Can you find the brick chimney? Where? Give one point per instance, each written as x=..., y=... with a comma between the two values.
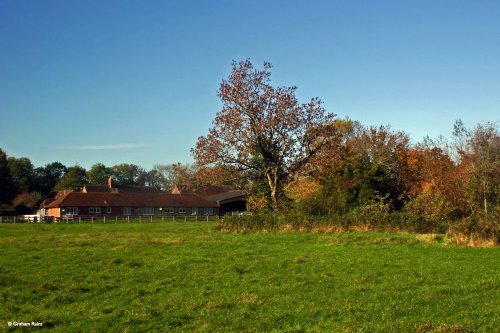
x=110, y=182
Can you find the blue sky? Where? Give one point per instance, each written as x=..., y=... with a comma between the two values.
x=135, y=81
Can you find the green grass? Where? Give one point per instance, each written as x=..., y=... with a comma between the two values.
x=186, y=277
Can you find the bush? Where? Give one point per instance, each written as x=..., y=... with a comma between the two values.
x=432, y=205
x=358, y=220
x=476, y=230
x=373, y=216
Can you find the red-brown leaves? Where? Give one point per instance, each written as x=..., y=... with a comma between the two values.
x=262, y=128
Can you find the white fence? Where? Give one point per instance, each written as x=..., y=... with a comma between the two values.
x=107, y=219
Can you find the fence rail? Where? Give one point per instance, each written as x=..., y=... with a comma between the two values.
x=108, y=219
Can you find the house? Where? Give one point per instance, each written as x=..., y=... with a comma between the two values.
x=112, y=200
x=129, y=204
x=43, y=211
x=229, y=198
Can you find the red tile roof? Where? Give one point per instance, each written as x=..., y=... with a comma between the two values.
x=46, y=202
x=99, y=199
x=95, y=188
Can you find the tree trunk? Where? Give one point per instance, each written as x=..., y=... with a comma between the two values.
x=485, y=201
x=272, y=182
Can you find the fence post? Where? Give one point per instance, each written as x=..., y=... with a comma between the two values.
x=162, y=218
x=14, y=219
x=79, y=219
x=116, y=219
x=140, y=219
x=185, y=218
x=128, y=219
x=173, y=218
x=104, y=218
x=92, y=219
x=151, y=218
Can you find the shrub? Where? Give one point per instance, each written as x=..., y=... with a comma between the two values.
x=476, y=230
x=358, y=220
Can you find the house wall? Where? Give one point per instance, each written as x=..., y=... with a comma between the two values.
x=54, y=212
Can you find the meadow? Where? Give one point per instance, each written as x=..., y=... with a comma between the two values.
x=188, y=277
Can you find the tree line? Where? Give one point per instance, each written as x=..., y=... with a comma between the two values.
x=23, y=186
x=297, y=157
x=293, y=156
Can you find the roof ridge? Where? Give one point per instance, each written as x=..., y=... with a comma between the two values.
x=61, y=199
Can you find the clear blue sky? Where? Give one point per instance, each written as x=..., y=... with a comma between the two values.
x=87, y=81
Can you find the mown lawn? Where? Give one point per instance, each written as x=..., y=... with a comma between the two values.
x=185, y=277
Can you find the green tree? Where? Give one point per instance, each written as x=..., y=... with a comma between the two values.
x=22, y=173
x=74, y=179
x=360, y=166
x=46, y=177
x=7, y=188
x=99, y=174
x=128, y=174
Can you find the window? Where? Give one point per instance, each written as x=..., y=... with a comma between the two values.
x=95, y=210
x=209, y=211
x=127, y=211
x=194, y=211
x=182, y=210
x=109, y=210
x=169, y=210
x=148, y=211
x=71, y=211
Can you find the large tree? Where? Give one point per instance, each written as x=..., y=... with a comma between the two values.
x=99, y=174
x=128, y=174
x=7, y=187
x=166, y=176
x=479, y=154
x=262, y=129
x=22, y=173
x=48, y=176
x=74, y=179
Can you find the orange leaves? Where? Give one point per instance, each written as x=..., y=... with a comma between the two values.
x=302, y=188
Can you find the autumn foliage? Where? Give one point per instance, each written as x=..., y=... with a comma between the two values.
x=263, y=131
x=297, y=156
x=297, y=159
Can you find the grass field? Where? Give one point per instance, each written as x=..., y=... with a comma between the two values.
x=186, y=277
